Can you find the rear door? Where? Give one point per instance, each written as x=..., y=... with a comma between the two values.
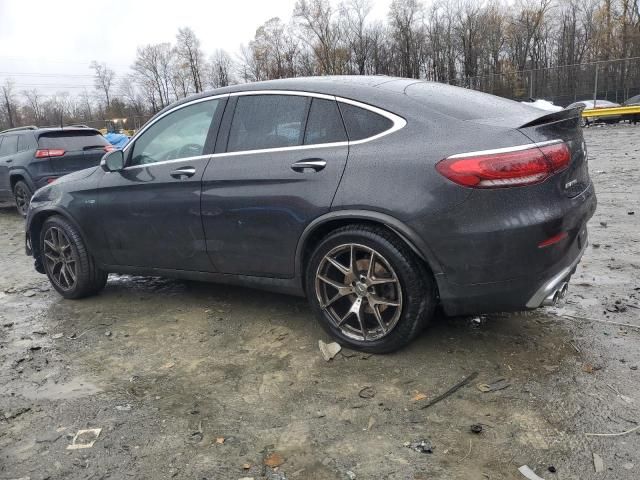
x=150, y=210
x=8, y=150
x=71, y=150
x=273, y=173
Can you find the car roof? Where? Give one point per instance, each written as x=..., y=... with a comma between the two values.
x=39, y=131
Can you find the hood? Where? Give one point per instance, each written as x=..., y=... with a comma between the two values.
x=75, y=176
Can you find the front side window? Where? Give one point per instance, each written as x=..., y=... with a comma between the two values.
x=362, y=123
x=267, y=121
x=180, y=134
x=324, y=124
x=9, y=145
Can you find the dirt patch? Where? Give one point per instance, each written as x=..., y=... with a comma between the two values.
x=194, y=380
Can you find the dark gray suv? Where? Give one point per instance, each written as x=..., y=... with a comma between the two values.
x=378, y=198
x=31, y=157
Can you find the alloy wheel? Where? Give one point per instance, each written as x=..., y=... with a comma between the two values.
x=22, y=199
x=359, y=290
x=59, y=258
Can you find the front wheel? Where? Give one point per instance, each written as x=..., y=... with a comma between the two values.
x=71, y=269
x=368, y=289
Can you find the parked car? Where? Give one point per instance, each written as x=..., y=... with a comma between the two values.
x=589, y=105
x=392, y=197
x=543, y=105
x=31, y=157
x=632, y=102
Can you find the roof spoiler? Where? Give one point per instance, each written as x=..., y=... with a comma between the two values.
x=553, y=117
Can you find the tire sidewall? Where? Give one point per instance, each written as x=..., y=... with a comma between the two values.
x=418, y=299
x=82, y=274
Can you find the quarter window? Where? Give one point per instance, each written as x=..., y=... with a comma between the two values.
x=24, y=143
x=362, y=123
x=267, y=121
x=180, y=134
x=324, y=124
x=9, y=145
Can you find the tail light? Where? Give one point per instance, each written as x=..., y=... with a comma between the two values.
x=109, y=148
x=49, y=152
x=506, y=167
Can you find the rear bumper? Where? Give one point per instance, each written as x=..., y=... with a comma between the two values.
x=507, y=271
x=513, y=295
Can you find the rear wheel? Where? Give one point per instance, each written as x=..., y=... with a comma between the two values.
x=71, y=269
x=22, y=194
x=368, y=289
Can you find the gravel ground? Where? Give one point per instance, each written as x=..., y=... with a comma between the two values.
x=194, y=380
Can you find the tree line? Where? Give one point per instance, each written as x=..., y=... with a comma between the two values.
x=511, y=48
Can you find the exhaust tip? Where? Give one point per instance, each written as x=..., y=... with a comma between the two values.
x=564, y=289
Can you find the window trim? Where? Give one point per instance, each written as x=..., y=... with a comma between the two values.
x=397, y=121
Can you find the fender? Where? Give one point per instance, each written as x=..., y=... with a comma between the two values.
x=403, y=231
x=21, y=172
x=47, y=211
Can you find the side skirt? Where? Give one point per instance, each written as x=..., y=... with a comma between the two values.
x=288, y=286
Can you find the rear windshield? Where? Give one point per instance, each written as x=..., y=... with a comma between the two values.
x=465, y=104
x=75, y=140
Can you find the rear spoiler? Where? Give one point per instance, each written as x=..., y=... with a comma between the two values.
x=553, y=117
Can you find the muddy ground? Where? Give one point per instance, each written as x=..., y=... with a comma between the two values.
x=193, y=380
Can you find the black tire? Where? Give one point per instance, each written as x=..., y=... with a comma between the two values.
x=417, y=297
x=22, y=196
x=89, y=279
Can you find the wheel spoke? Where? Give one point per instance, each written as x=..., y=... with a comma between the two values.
x=372, y=262
x=71, y=273
x=381, y=281
x=333, y=299
x=49, y=244
x=379, y=318
x=344, y=270
x=352, y=261
x=51, y=257
x=337, y=285
x=377, y=300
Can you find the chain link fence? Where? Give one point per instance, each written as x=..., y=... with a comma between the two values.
x=613, y=80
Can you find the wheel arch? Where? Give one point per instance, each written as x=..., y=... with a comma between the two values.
x=325, y=224
x=37, y=221
x=20, y=175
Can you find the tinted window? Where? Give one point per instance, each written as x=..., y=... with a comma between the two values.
x=180, y=134
x=71, y=140
x=363, y=123
x=324, y=124
x=9, y=145
x=267, y=121
x=24, y=142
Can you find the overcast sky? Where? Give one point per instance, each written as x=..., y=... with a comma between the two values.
x=48, y=42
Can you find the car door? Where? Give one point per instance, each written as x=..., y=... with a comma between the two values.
x=278, y=164
x=8, y=149
x=150, y=210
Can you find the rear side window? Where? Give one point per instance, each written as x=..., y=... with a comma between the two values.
x=9, y=145
x=267, y=121
x=24, y=143
x=363, y=123
x=324, y=124
x=72, y=140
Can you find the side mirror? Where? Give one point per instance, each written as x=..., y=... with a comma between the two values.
x=112, y=161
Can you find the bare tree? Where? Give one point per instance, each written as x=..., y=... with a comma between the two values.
x=103, y=79
x=35, y=103
x=354, y=14
x=190, y=56
x=220, y=69
x=9, y=104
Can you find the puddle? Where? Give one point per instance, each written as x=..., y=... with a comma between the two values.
x=75, y=388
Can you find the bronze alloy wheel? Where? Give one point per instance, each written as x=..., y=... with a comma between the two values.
x=59, y=258
x=359, y=290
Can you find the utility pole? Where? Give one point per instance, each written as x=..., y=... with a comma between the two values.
x=595, y=87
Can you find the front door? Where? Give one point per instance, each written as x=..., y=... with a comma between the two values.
x=279, y=169
x=150, y=210
x=8, y=149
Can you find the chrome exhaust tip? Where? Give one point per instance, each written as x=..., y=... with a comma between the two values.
x=564, y=289
x=552, y=299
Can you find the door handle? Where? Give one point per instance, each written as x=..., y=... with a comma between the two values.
x=184, y=172
x=315, y=164
x=10, y=160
